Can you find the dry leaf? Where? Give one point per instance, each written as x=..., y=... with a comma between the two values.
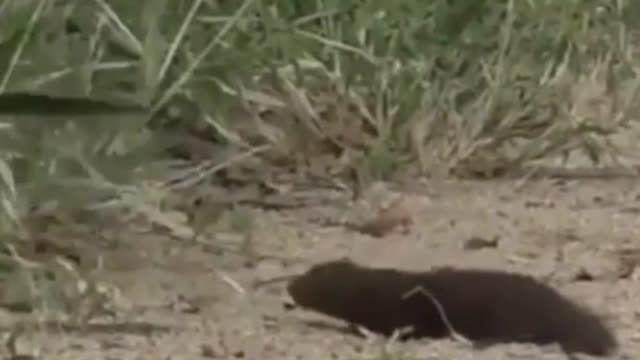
x=396, y=214
x=478, y=243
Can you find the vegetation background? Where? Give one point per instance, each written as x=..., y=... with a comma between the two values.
x=256, y=96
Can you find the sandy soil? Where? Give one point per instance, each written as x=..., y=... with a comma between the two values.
x=187, y=302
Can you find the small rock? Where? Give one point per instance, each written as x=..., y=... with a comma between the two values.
x=208, y=351
x=583, y=275
x=478, y=243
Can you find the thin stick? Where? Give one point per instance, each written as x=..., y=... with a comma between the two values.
x=454, y=334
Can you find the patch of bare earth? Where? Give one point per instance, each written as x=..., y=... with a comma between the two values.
x=189, y=302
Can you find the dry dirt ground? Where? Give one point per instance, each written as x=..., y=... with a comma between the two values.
x=189, y=302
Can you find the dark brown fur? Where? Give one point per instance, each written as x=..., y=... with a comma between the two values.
x=485, y=306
